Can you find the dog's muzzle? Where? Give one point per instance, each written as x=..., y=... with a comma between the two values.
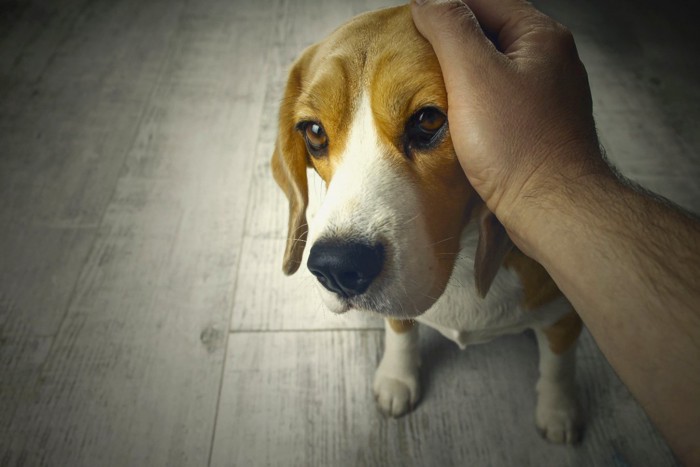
x=346, y=268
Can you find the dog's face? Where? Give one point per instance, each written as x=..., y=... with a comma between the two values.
x=367, y=109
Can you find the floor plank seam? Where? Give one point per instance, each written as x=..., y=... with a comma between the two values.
x=235, y=279
x=71, y=297
x=301, y=330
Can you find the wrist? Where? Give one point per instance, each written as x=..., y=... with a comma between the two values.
x=561, y=207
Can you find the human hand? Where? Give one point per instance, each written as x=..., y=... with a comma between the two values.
x=521, y=124
x=520, y=112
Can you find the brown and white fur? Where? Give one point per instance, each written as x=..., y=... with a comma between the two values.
x=445, y=260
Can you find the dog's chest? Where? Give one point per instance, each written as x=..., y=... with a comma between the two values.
x=462, y=316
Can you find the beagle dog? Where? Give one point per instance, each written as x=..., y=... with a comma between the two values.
x=400, y=231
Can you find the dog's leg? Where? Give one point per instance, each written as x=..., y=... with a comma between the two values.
x=396, y=379
x=558, y=414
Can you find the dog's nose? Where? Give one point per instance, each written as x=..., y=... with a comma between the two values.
x=345, y=268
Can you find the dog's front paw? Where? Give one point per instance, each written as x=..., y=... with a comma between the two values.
x=396, y=392
x=558, y=416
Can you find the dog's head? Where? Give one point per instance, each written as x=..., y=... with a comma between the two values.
x=366, y=108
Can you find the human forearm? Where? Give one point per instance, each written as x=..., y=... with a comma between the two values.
x=623, y=258
x=520, y=116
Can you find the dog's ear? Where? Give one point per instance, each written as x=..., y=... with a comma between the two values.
x=494, y=244
x=289, y=162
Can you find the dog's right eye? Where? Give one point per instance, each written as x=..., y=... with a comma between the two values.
x=315, y=137
x=424, y=129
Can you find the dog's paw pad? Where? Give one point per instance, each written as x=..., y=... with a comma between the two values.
x=395, y=397
x=559, y=422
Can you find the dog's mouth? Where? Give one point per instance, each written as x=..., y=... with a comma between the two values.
x=387, y=294
x=375, y=303
x=374, y=275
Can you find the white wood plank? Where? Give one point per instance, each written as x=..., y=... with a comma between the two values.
x=68, y=110
x=64, y=134
x=304, y=398
x=296, y=399
x=133, y=375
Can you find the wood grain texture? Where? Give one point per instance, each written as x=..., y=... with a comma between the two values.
x=645, y=105
x=132, y=374
x=144, y=318
x=304, y=398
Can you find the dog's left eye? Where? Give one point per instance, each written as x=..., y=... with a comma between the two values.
x=424, y=129
x=315, y=137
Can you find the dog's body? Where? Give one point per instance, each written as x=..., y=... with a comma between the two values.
x=400, y=231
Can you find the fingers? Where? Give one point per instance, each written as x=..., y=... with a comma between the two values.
x=449, y=25
x=464, y=52
x=444, y=22
x=507, y=20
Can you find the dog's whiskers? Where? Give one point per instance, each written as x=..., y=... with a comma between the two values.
x=441, y=241
x=412, y=218
x=300, y=227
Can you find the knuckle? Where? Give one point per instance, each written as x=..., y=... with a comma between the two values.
x=455, y=13
x=564, y=39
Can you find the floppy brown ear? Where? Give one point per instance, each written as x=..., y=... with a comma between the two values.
x=289, y=162
x=494, y=244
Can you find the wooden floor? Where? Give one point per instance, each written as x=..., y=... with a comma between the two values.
x=144, y=318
